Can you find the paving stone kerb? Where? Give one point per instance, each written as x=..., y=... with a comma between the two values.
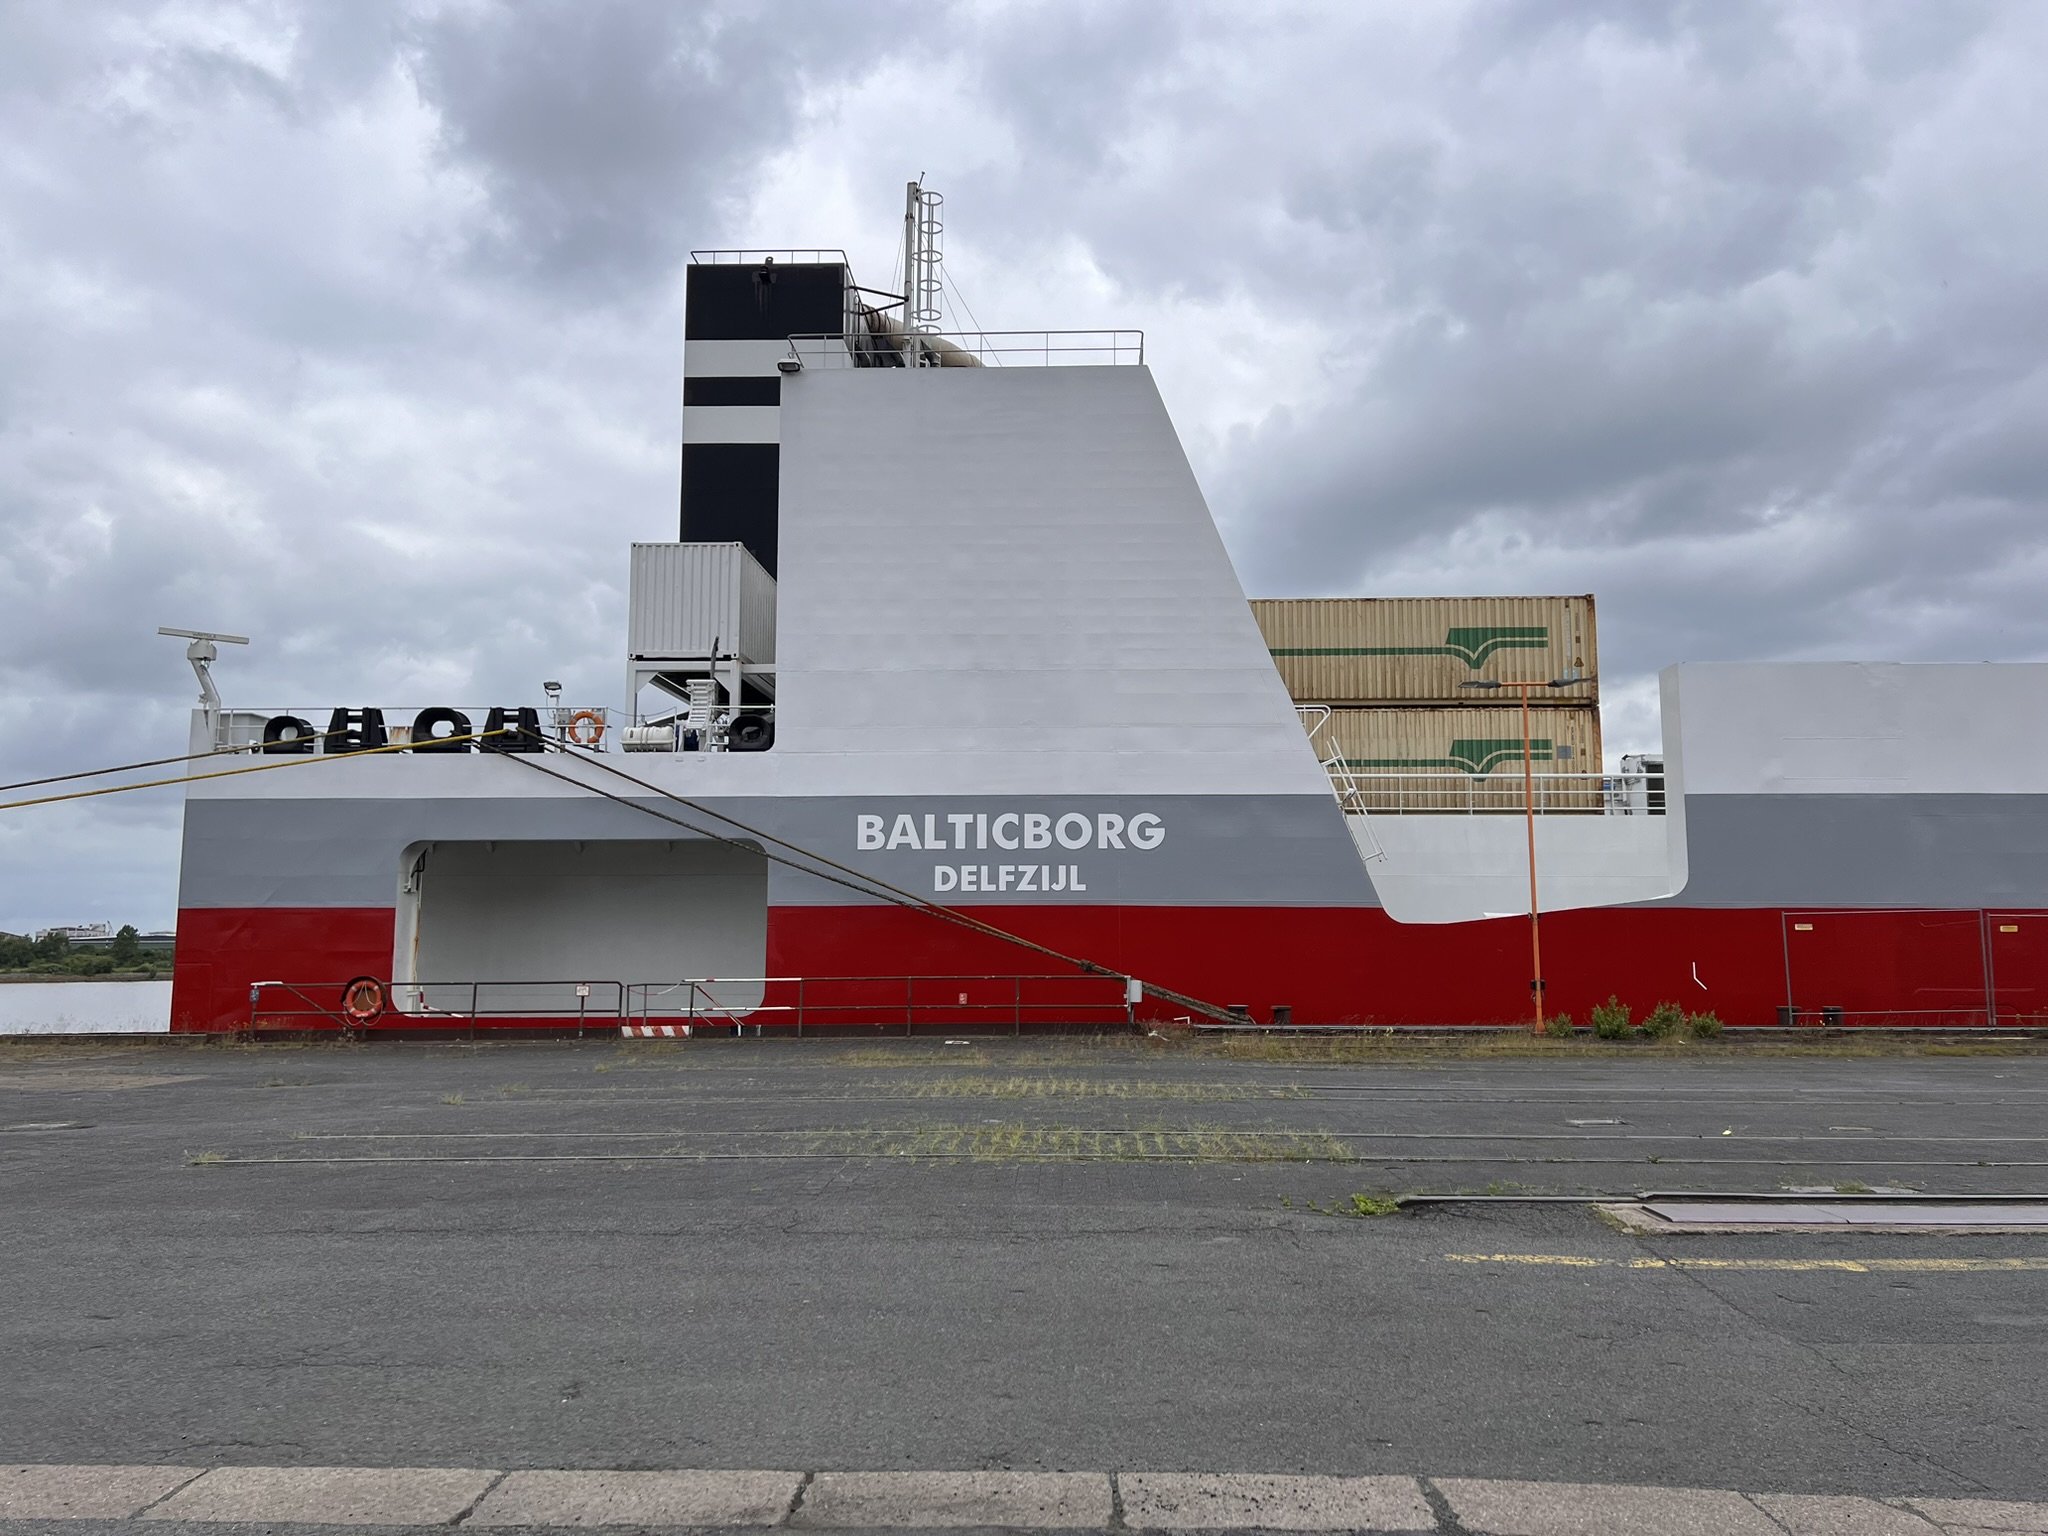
x=1973, y=1515
x=1045, y=1500
x=1201, y=1501
x=327, y=1495
x=84, y=1493
x=1808, y=1514
x=1049, y=1501
x=638, y=1498
x=1502, y=1508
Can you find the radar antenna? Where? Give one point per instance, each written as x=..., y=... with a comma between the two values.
x=203, y=652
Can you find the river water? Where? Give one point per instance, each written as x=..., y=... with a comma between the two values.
x=84, y=1007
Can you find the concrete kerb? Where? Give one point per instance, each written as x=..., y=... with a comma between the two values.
x=29, y=1492
x=638, y=1499
x=1504, y=1508
x=1035, y=1500
x=1969, y=1516
x=1806, y=1514
x=327, y=1495
x=1204, y=1501
x=90, y=1498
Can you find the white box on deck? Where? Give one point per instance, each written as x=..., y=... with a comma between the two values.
x=685, y=598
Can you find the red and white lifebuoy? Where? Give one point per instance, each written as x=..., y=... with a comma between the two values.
x=364, y=1000
x=585, y=728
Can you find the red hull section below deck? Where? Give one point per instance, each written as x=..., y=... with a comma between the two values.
x=1329, y=965
x=223, y=951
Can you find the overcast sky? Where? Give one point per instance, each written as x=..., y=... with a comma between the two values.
x=356, y=327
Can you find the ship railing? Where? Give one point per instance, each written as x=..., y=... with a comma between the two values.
x=292, y=1005
x=991, y=349
x=1497, y=793
x=885, y=1005
x=424, y=1004
x=817, y=255
x=1827, y=1016
x=593, y=727
x=980, y=1004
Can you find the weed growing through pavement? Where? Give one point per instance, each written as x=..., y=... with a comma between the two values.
x=1357, y=1207
x=1558, y=1026
x=907, y=1055
x=1486, y=1042
x=1074, y=1143
x=1077, y=1088
x=451, y=1098
x=204, y=1159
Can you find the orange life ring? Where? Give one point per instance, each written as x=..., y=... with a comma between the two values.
x=581, y=718
x=363, y=1000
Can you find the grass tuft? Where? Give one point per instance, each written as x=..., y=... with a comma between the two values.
x=1611, y=1019
x=1664, y=1021
x=1361, y=1206
x=1022, y=1087
x=1017, y=1142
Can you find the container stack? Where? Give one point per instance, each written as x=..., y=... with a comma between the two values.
x=1379, y=682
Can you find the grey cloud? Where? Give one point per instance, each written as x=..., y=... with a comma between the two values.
x=609, y=134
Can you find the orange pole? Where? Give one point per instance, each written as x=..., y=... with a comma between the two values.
x=1529, y=815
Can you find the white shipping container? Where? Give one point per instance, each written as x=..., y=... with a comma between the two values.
x=682, y=599
x=1385, y=650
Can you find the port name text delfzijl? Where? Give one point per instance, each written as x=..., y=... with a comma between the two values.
x=1017, y=878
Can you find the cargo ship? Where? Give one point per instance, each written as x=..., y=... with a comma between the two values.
x=946, y=710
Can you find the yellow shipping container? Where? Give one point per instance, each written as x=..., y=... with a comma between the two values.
x=1459, y=759
x=1390, y=650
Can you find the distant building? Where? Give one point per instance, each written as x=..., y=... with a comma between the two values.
x=80, y=934
x=101, y=936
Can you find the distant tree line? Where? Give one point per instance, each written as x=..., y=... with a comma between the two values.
x=52, y=955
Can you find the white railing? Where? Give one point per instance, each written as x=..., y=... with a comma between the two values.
x=1453, y=793
x=595, y=726
x=992, y=349
x=816, y=255
x=1461, y=792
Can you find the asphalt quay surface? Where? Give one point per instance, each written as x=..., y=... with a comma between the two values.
x=1047, y=1257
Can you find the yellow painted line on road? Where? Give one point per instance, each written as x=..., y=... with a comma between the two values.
x=1791, y=1266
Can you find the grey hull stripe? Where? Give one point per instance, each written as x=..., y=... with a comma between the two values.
x=1209, y=850
x=1762, y=851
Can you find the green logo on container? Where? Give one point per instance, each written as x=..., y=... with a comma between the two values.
x=1470, y=645
x=1468, y=755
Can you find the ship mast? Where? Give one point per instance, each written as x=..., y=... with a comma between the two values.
x=923, y=295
